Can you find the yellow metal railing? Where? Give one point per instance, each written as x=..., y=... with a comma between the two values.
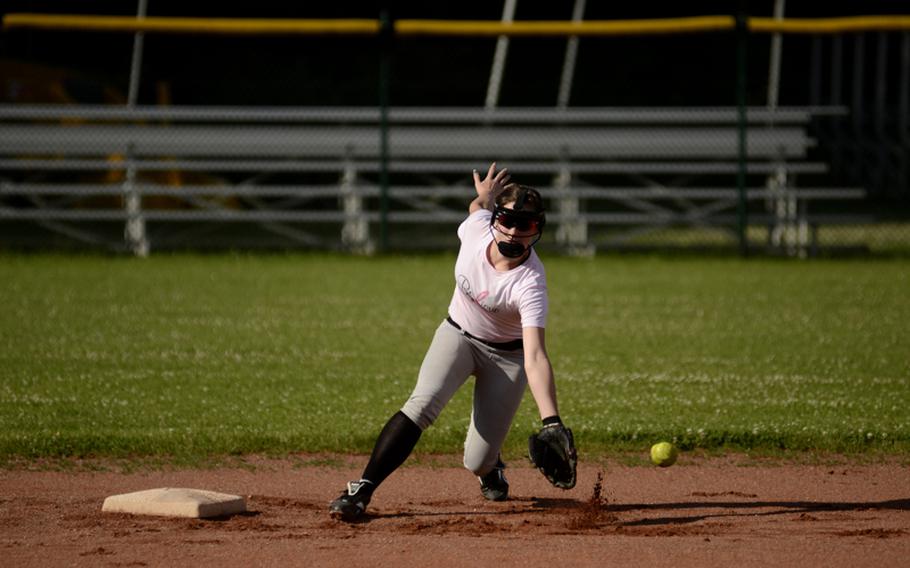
x=67, y=22
x=475, y=28
x=830, y=25
x=563, y=28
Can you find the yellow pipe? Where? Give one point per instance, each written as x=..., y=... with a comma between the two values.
x=830, y=25
x=563, y=28
x=190, y=25
x=448, y=27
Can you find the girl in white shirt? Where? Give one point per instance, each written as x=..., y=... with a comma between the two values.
x=494, y=331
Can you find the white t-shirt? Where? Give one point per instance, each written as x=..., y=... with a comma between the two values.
x=489, y=304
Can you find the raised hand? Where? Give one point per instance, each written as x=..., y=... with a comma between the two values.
x=490, y=186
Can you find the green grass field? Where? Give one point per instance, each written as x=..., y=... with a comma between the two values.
x=188, y=357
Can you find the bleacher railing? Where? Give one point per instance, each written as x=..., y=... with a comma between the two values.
x=614, y=174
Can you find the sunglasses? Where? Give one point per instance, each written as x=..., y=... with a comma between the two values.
x=524, y=224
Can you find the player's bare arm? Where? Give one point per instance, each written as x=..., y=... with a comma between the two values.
x=539, y=371
x=552, y=449
x=488, y=188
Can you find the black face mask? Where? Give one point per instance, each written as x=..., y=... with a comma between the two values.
x=511, y=249
x=521, y=220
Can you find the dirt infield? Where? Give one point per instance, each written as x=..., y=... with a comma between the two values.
x=716, y=512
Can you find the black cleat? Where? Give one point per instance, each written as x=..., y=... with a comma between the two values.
x=493, y=485
x=351, y=504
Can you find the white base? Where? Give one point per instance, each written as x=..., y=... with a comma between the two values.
x=176, y=502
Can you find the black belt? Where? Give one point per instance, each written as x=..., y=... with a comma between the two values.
x=513, y=345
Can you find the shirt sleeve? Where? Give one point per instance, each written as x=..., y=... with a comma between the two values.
x=534, y=306
x=474, y=224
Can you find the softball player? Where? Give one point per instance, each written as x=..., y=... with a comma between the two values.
x=494, y=331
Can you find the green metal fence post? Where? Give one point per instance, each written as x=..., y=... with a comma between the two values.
x=385, y=40
x=742, y=38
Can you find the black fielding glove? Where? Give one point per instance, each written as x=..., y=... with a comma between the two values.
x=552, y=450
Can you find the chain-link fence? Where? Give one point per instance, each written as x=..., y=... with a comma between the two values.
x=362, y=143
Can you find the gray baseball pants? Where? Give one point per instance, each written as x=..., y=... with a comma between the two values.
x=498, y=390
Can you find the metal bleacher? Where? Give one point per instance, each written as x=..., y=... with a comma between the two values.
x=314, y=176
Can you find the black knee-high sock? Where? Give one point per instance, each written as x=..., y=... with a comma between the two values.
x=394, y=445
